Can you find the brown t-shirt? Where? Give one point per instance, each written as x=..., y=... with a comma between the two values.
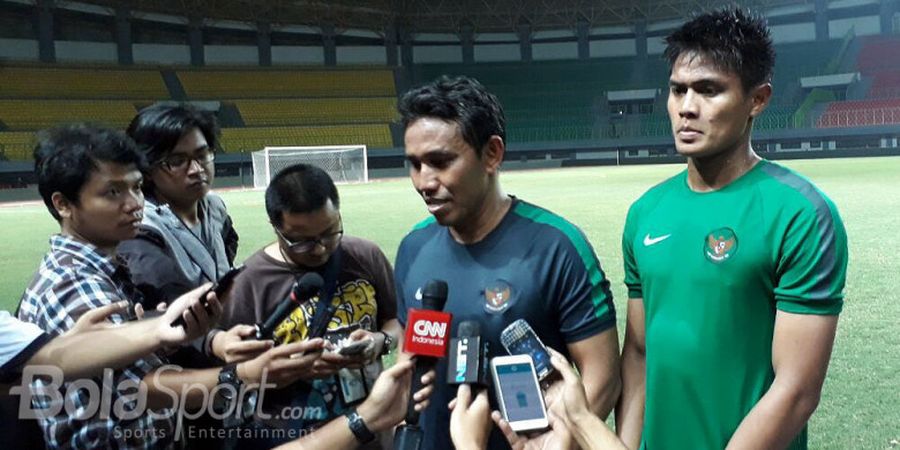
x=365, y=285
x=367, y=299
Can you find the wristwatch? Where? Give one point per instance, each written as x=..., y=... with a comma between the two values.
x=388, y=344
x=225, y=397
x=358, y=427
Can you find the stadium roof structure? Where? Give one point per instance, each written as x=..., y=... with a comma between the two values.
x=439, y=16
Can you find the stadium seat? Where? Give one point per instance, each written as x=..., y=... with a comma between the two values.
x=247, y=84
x=236, y=140
x=17, y=145
x=69, y=83
x=38, y=114
x=320, y=111
x=885, y=84
x=861, y=113
x=879, y=52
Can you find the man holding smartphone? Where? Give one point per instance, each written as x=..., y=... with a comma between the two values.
x=303, y=207
x=90, y=180
x=503, y=258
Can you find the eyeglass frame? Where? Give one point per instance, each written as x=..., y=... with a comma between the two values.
x=202, y=160
x=314, y=242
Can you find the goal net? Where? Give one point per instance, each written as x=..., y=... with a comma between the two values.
x=344, y=163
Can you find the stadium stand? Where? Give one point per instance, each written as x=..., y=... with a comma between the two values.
x=248, y=84
x=277, y=107
x=319, y=111
x=38, y=114
x=879, y=52
x=857, y=113
x=885, y=84
x=16, y=145
x=566, y=100
x=102, y=82
x=236, y=140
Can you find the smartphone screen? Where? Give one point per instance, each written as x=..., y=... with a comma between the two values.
x=520, y=339
x=520, y=392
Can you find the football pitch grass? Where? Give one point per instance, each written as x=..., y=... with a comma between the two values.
x=860, y=406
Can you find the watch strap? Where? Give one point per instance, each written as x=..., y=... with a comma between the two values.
x=358, y=427
x=387, y=344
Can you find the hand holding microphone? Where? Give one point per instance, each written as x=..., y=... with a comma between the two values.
x=382, y=409
x=426, y=338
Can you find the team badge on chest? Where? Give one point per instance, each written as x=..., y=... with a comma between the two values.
x=498, y=297
x=720, y=245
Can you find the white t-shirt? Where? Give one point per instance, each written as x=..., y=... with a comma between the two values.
x=18, y=342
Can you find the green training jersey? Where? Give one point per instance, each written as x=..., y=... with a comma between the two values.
x=712, y=269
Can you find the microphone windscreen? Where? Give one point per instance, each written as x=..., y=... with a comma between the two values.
x=308, y=286
x=468, y=328
x=434, y=295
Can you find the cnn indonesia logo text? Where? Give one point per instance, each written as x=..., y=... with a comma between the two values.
x=429, y=332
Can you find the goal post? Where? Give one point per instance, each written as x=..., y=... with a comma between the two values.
x=344, y=163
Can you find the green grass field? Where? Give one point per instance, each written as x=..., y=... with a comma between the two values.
x=860, y=406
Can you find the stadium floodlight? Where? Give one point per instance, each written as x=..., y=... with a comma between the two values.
x=344, y=163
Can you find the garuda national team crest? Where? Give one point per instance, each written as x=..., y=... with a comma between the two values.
x=720, y=245
x=498, y=297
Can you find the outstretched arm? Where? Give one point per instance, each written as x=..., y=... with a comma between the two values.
x=78, y=354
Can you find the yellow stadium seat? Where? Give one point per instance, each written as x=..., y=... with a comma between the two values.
x=317, y=111
x=38, y=114
x=59, y=82
x=236, y=140
x=17, y=145
x=215, y=84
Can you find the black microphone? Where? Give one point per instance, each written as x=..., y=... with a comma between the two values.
x=467, y=362
x=307, y=287
x=409, y=436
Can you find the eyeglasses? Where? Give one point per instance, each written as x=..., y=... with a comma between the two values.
x=180, y=163
x=328, y=241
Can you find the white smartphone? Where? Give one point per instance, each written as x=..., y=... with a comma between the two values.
x=518, y=392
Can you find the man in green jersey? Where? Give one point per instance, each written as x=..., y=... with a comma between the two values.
x=735, y=267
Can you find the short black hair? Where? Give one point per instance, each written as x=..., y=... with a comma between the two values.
x=462, y=100
x=734, y=40
x=300, y=188
x=157, y=129
x=64, y=158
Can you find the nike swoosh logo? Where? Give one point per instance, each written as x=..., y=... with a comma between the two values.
x=648, y=241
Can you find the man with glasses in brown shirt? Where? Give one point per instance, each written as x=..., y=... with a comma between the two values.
x=303, y=207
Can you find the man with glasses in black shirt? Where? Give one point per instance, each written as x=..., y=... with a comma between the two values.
x=304, y=209
x=187, y=237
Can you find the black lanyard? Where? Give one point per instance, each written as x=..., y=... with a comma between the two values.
x=326, y=306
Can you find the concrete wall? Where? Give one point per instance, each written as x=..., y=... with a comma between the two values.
x=161, y=54
x=19, y=49
x=292, y=54
x=231, y=54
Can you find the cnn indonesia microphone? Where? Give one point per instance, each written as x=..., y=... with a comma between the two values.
x=307, y=287
x=468, y=356
x=427, y=332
